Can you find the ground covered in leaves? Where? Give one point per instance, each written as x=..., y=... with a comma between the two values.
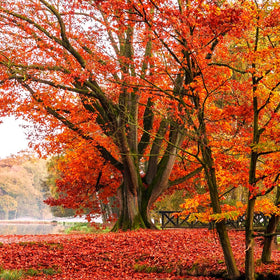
x=168, y=254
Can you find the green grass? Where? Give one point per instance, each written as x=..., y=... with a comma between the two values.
x=147, y=269
x=51, y=271
x=30, y=243
x=11, y=274
x=54, y=245
x=32, y=272
x=15, y=274
x=85, y=228
x=81, y=227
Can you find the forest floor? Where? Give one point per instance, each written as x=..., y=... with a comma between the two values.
x=144, y=254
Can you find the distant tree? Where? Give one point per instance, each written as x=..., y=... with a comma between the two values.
x=7, y=205
x=20, y=178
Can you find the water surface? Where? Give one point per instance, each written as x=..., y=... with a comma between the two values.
x=30, y=228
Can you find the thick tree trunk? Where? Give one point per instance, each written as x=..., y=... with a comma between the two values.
x=249, y=259
x=130, y=217
x=136, y=200
x=268, y=240
x=130, y=192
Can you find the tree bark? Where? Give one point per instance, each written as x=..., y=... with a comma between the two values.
x=233, y=272
x=130, y=215
x=268, y=240
x=210, y=174
x=270, y=229
x=249, y=241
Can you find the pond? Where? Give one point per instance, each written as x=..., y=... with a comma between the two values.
x=29, y=225
x=31, y=228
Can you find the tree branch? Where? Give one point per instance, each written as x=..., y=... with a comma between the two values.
x=148, y=125
x=104, y=152
x=228, y=66
x=184, y=178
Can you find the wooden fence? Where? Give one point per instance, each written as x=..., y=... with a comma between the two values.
x=170, y=220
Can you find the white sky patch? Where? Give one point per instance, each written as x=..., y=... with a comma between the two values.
x=12, y=137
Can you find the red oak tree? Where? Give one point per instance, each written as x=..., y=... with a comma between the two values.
x=93, y=70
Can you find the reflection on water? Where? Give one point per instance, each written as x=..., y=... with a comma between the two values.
x=21, y=229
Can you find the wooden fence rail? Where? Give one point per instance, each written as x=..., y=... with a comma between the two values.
x=170, y=220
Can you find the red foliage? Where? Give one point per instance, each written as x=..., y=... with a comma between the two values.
x=84, y=180
x=180, y=254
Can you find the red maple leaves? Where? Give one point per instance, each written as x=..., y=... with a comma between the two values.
x=172, y=254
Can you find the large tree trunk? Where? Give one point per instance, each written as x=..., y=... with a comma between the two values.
x=130, y=196
x=136, y=200
x=268, y=240
x=130, y=215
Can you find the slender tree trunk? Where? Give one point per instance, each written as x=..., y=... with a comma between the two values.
x=268, y=240
x=249, y=223
x=233, y=272
x=249, y=241
x=232, y=269
x=210, y=175
x=270, y=229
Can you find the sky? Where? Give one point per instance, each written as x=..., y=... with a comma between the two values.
x=12, y=138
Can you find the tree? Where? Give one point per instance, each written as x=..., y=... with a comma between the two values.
x=49, y=188
x=252, y=102
x=262, y=78
x=146, y=83
x=7, y=204
x=20, y=178
x=91, y=70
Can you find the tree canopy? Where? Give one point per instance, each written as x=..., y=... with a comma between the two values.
x=154, y=92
